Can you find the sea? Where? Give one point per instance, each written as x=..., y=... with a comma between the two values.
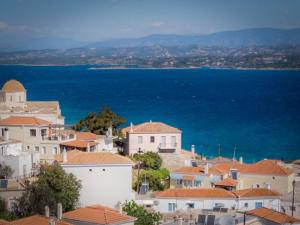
x=250, y=113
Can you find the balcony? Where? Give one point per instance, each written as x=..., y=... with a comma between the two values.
x=167, y=147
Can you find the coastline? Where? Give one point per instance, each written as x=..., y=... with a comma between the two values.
x=95, y=67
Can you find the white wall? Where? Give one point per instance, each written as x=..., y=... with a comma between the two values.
x=182, y=204
x=105, y=184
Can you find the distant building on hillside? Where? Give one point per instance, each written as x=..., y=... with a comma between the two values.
x=106, y=178
x=13, y=102
x=152, y=136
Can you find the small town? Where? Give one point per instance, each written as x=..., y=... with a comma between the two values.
x=95, y=172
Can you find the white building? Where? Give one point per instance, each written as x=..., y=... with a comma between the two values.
x=106, y=178
x=172, y=200
x=23, y=164
x=152, y=136
x=13, y=102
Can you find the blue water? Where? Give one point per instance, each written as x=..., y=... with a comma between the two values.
x=257, y=111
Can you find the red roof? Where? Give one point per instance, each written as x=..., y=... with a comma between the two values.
x=256, y=192
x=23, y=121
x=78, y=144
x=195, y=193
x=267, y=167
x=151, y=127
x=228, y=182
x=273, y=216
x=98, y=215
x=87, y=136
x=36, y=220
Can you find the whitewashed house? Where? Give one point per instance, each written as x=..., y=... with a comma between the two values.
x=23, y=164
x=152, y=136
x=172, y=200
x=106, y=178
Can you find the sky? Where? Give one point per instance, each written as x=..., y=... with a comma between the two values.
x=95, y=20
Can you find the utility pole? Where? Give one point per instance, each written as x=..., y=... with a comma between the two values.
x=293, y=199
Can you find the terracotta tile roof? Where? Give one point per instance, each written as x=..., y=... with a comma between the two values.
x=79, y=157
x=196, y=193
x=87, y=136
x=189, y=178
x=267, y=167
x=255, y=192
x=37, y=220
x=228, y=182
x=98, y=215
x=273, y=216
x=151, y=127
x=13, y=86
x=78, y=143
x=23, y=120
x=4, y=222
x=190, y=170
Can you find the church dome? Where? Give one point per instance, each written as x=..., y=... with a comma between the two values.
x=13, y=86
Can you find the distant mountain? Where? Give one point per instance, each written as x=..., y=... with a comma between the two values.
x=239, y=38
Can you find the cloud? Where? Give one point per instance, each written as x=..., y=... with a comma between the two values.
x=4, y=26
x=157, y=24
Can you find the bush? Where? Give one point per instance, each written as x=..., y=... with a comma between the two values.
x=5, y=171
x=143, y=216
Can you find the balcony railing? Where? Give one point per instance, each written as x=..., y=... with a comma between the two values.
x=167, y=145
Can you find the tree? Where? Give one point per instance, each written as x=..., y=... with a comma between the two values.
x=143, y=216
x=98, y=123
x=150, y=160
x=4, y=213
x=53, y=186
x=5, y=171
x=157, y=179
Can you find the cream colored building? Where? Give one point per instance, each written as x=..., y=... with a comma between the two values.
x=13, y=102
x=152, y=136
x=233, y=175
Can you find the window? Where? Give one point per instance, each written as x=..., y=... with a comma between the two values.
x=33, y=132
x=11, y=99
x=172, y=207
x=152, y=139
x=44, y=132
x=3, y=132
x=179, y=182
x=191, y=205
x=140, y=139
x=246, y=204
x=37, y=148
x=258, y=205
x=173, y=141
x=54, y=151
x=44, y=150
x=198, y=183
x=163, y=141
x=234, y=174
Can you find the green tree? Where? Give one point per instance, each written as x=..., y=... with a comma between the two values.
x=53, y=186
x=98, y=123
x=4, y=213
x=158, y=180
x=149, y=160
x=5, y=171
x=143, y=216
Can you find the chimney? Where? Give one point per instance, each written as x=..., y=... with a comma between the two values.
x=59, y=211
x=241, y=160
x=131, y=127
x=180, y=221
x=47, y=212
x=206, y=169
x=120, y=207
x=88, y=149
x=65, y=156
x=269, y=186
x=6, y=134
x=193, y=149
